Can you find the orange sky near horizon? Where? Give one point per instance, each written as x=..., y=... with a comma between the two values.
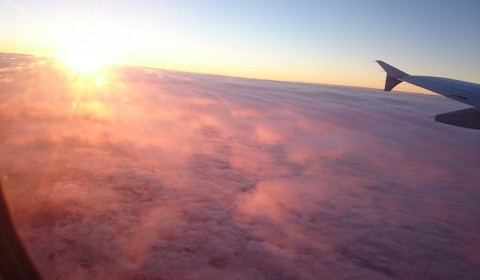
x=317, y=43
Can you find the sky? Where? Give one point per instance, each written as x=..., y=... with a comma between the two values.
x=333, y=42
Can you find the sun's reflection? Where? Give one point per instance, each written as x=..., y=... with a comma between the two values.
x=88, y=82
x=89, y=92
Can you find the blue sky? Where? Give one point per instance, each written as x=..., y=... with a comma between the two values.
x=315, y=41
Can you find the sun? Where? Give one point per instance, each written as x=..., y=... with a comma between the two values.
x=86, y=50
x=84, y=60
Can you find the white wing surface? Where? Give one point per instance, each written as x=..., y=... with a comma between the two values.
x=465, y=92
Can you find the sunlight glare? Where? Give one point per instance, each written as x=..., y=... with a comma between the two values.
x=83, y=61
x=86, y=50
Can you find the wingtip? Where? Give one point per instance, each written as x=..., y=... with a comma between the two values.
x=391, y=71
x=394, y=75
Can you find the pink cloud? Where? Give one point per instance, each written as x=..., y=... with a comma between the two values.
x=168, y=175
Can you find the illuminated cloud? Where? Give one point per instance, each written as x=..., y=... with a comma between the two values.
x=168, y=175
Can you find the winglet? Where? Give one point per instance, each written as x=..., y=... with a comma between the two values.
x=394, y=76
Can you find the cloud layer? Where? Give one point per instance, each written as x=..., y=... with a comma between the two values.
x=147, y=174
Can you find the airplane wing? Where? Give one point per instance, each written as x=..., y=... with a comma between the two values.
x=465, y=92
